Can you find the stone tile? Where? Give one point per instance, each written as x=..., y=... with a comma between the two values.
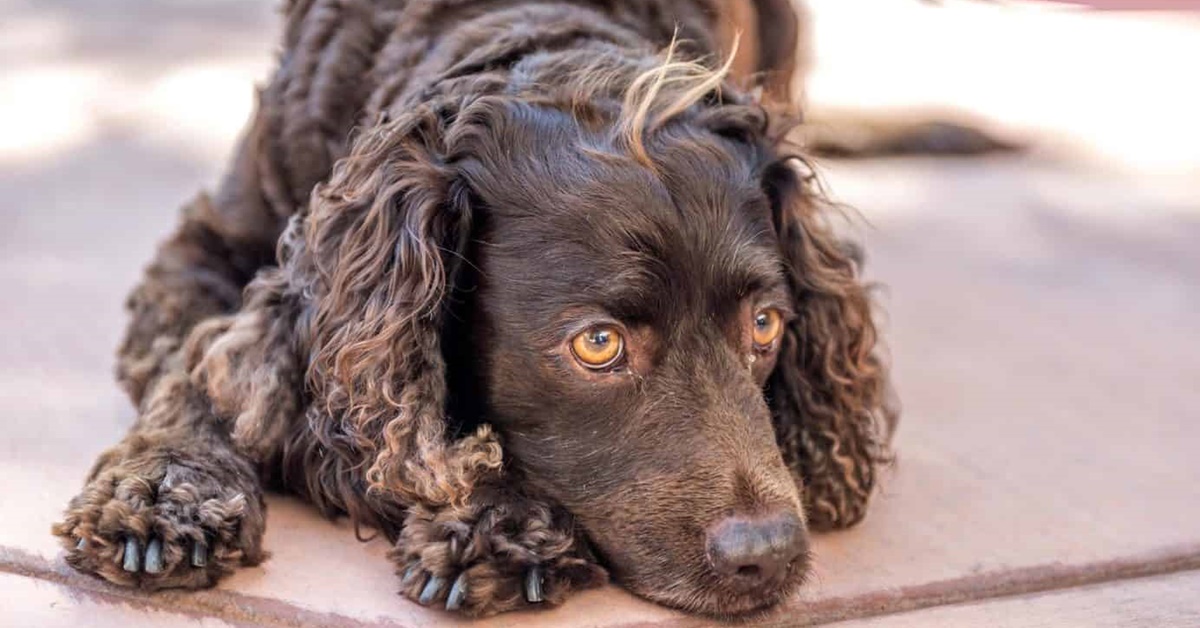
x=30, y=602
x=1049, y=412
x=1164, y=601
x=1042, y=362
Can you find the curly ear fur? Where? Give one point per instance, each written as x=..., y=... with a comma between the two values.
x=358, y=297
x=248, y=365
x=375, y=259
x=829, y=392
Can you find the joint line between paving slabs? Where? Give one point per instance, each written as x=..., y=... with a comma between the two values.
x=229, y=606
x=241, y=609
x=1004, y=583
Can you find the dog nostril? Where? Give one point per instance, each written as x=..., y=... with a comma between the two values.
x=749, y=571
x=753, y=550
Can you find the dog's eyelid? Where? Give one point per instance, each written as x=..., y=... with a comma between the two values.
x=784, y=308
x=773, y=295
x=572, y=326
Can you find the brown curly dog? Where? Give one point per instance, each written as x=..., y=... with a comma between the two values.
x=561, y=307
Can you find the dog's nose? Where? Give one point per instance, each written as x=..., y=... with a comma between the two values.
x=755, y=550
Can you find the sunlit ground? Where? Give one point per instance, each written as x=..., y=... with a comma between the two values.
x=1104, y=97
x=68, y=77
x=1113, y=85
x=1118, y=85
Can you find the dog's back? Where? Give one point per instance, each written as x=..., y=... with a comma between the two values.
x=348, y=63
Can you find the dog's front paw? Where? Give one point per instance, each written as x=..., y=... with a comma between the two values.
x=158, y=520
x=483, y=560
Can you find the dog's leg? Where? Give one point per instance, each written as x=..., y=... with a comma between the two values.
x=174, y=504
x=849, y=134
x=201, y=269
x=502, y=551
x=178, y=503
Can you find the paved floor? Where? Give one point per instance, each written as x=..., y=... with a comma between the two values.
x=1040, y=313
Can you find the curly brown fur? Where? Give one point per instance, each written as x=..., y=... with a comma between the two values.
x=404, y=357
x=490, y=546
x=194, y=495
x=829, y=372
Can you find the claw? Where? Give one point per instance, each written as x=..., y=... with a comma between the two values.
x=533, y=585
x=431, y=590
x=458, y=592
x=81, y=545
x=410, y=574
x=154, y=557
x=133, y=556
x=199, y=555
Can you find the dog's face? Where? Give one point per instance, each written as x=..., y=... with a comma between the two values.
x=619, y=328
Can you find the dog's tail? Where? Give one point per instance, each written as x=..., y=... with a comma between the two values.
x=863, y=134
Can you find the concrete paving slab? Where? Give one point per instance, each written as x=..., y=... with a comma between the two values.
x=32, y=602
x=1163, y=601
x=1049, y=421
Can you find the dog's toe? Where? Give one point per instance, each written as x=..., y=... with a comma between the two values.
x=533, y=585
x=153, y=562
x=199, y=555
x=410, y=574
x=458, y=593
x=135, y=528
x=433, y=588
x=132, y=556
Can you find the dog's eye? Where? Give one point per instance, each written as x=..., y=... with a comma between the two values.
x=768, y=324
x=598, y=347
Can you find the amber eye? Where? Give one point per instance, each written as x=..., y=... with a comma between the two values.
x=768, y=324
x=598, y=347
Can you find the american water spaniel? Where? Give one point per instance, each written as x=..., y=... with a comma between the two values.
x=534, y=288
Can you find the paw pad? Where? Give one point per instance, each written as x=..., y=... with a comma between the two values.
x=164, y=528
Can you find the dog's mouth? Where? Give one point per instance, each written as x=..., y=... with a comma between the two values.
x=730, y=602
x=733, y=564
x=720, y=598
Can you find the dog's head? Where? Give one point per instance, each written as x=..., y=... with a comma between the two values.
x=645, y=304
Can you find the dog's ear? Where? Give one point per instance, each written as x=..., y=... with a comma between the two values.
x=382, y=242
x=829, y=393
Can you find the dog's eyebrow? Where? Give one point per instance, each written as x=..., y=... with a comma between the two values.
x=646, y=282
x=634, y=291
x=752, y=270
x=752, y=262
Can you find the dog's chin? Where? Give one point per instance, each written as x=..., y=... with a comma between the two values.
x=712, y=600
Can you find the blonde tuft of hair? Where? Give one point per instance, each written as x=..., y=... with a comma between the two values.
x=659, y=94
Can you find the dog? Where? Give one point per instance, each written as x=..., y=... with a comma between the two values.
x=536, y=289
